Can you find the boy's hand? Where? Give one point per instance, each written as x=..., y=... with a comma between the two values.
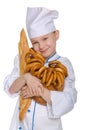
x=33, y=86
x=26, y=93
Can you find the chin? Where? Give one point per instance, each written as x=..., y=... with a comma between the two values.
x=46, y=56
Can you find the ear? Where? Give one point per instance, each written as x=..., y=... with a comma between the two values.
x=57, y=34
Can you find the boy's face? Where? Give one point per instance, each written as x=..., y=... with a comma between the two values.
x=46, y=44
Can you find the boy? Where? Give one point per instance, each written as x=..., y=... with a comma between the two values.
x=43, y=36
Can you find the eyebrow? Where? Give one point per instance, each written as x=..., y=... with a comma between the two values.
x=45, y=36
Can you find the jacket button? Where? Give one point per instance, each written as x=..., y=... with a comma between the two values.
x=20, y=128
x=28, y=110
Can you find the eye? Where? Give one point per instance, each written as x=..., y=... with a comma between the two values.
x=45, y=38
x=34, y=43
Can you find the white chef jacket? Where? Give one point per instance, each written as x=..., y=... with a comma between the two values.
x=39, y=117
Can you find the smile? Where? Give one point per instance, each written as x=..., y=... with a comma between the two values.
x=42, y=51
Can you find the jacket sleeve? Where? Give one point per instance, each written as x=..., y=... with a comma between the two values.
x=63, y=102
x=11, y=77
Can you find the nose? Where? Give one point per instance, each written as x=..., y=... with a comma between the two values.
x=41, y=46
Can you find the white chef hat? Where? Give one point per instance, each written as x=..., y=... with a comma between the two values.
x=39, y=21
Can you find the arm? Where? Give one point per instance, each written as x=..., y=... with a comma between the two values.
x=63, y=102
x=17, y=85
x=12, y=77
x=46, y=95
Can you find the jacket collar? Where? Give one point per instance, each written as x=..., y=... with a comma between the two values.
x=55, y=56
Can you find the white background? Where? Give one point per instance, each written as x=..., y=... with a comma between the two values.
x=72, y=26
